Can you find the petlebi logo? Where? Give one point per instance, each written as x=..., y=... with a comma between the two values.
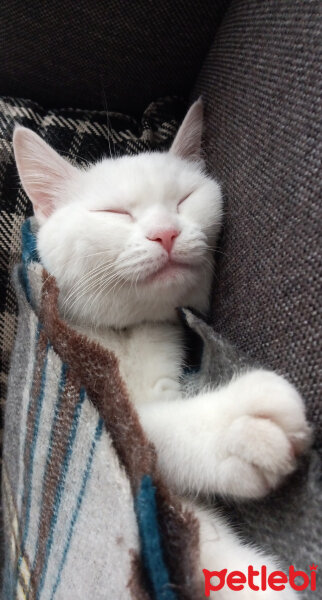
x=260, y=580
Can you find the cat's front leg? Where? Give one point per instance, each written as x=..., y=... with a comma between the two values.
x=240, y=440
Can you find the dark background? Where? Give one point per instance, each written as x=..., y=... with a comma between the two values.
x=119, y=54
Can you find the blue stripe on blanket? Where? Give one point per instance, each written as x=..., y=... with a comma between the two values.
x=60, y=487
x=29, y=254
x=151, y=547
x=86, y=474
x=28, y=489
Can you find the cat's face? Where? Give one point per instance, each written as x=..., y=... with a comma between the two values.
x=129, y=239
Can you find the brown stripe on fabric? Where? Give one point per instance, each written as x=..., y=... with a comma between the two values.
x=179, y=530
x=97, y=369
x=60, y=437
x=137, y=583
x=31, y=417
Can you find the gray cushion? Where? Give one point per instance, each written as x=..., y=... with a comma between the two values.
x=262, y=86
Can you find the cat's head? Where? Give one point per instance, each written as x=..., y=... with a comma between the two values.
x=128, y=239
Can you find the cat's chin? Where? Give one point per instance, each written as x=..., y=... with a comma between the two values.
x=154, y=297
x=169, y=273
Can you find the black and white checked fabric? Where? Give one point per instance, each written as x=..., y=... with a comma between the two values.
x=83, y=136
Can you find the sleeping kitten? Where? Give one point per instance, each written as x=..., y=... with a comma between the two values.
x=128, y=240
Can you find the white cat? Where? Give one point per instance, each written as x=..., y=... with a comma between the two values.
x=129, y=240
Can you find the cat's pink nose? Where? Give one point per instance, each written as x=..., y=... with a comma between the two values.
x=165, y=237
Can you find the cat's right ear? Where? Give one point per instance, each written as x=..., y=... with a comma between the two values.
x=42, y=171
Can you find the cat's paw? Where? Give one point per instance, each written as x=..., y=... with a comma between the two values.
x=266, y=433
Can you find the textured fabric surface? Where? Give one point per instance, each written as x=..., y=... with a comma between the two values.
x=81, y=492
x=288, y=522
x=85, y=508
x=83, y=136
x=88, y=54
x=262, y=87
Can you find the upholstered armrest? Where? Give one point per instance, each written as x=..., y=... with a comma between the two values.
x=261, y=86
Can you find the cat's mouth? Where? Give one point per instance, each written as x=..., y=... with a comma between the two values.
x=171, y=270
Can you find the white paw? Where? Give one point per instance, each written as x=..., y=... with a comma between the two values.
x=266, y=430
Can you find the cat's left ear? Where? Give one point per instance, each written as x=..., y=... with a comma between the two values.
x=187, y=143
x=44, y=174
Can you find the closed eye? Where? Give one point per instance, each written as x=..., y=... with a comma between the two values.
x=116, y=211
x=183, y=199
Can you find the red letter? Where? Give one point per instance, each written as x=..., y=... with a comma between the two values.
x=251, y=575
x=302, y=574
x=276, y=580
x=263, y=577
x=235, y=580
x=313, y=577
x=214, y=588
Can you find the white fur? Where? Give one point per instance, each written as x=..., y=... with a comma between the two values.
x=74, y=241
x=221, y=549
x=240, y=440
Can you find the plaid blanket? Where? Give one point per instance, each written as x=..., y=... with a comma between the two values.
x=86, y=511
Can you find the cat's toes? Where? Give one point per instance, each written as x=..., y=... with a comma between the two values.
x=238, y=478
x=268, y=396
x=264, y=451
x=268, y=432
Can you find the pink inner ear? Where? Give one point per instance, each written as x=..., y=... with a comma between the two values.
x=187, y=143
x=43, y=172
x=46, y=189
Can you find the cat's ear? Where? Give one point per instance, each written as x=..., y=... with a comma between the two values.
x=187, y=143
x=42, y=171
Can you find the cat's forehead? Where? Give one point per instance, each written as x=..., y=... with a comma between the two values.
x=145, y=174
